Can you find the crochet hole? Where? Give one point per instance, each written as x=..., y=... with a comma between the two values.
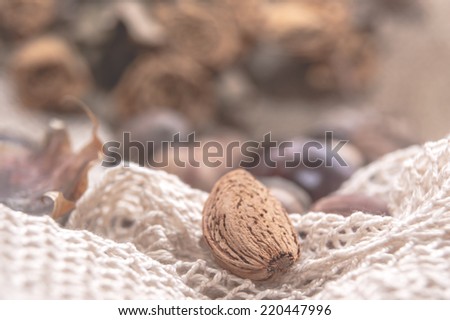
x=302, y=235
x=127, y=223
x=330, y=245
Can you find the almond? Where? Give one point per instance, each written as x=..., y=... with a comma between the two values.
x=247, y=229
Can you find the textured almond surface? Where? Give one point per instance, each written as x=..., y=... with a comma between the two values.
x=247, y=229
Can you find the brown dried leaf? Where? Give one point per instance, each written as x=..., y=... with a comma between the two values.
x=47, y=179
x=61, y=204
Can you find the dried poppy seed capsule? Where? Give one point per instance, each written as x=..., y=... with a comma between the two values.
x=166, y=81
x=346, y=204
x=197, y=31
x=24, y=18
x=46, y=70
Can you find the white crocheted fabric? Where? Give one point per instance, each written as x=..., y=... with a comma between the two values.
x=136, y=234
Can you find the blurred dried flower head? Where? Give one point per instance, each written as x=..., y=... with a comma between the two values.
x=24, y=18
x=204, y=32
x=166, y=81
x=248, y=16
x=45, y=71
x=337, y=56
x=305, y=28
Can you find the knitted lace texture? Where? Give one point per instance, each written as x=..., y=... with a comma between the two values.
x=136, y=234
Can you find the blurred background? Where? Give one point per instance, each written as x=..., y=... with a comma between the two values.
x=375, y=72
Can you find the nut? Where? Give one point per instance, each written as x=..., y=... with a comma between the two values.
x=346, y=204
x=247, y=229
x=317, y=180
x=292, y=197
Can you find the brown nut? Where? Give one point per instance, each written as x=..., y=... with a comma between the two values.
x=206, y=163
x=346, y=204
x=292, y=197
x=247, y=229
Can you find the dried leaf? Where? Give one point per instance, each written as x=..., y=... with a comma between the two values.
x=61, y=204
x=47, y=179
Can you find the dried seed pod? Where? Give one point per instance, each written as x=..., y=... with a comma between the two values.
x=204, y=32
x=321, y=180
x=166, y=81
x=45, y=71
x=247, y=229
x=311, y=164
x=350, y=154
x=113, y=35
x=320, y=49
x=248, y=15
x=346, y=204
x=24, y=18
x=152, y=127
x=303, y=27
x=157, y=126
x=373, y=134
x=291, y=196
x=204, y=164
x=370, y=14
x=235, y=95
